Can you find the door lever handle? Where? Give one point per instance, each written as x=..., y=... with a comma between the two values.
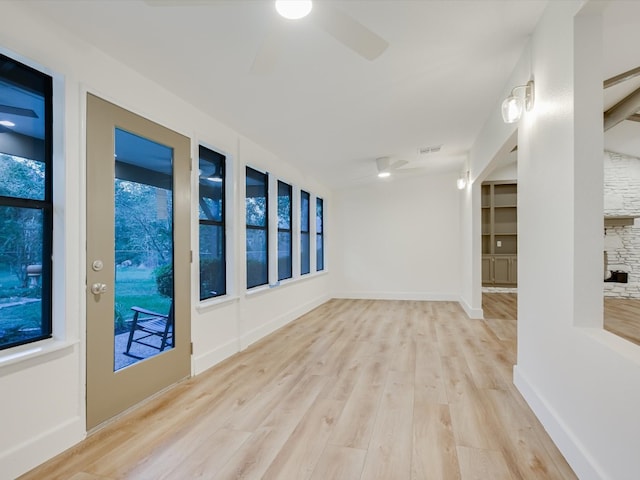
x=98, y=288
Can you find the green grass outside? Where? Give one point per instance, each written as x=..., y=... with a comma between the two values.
x=134, y=287
x=23, y=320
x=20, y=322
x=7, y=279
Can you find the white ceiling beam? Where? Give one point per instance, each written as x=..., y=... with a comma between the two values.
x=622, y=110
x=622, y=77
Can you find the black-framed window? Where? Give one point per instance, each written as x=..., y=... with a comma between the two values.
x=26, y=203
x=257, y=212
x=319, y=234
x=284, y=231
x=305, y=239
x=211, y=196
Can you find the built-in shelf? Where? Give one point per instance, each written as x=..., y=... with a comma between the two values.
x=620, y=220
x=499, y=233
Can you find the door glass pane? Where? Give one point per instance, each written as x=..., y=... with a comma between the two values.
x=143, y=204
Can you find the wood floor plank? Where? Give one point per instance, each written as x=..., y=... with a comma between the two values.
x=390, y=449
x=489, y=367
x=251, y=414
x=479, y=464
x=87, y=476
x=339, y=463
x=518, y=442
x=355, y=389
x=259, y=451
x=622, y=317
x=355, y=425
x=457, y=377
x=474, y=424
x=75, y=460
x=447, y=339
x=299, y=455
x=500, y=305
x=434, y=449
x=429, y=377
x=200, y=463
x=504, y=329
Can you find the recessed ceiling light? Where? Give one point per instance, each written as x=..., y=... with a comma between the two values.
x=7, y=123
x=293, y=9
x=384, y=174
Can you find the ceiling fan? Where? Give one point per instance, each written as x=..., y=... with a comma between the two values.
x=386, y=166
x=338, y=24
x=21, y=112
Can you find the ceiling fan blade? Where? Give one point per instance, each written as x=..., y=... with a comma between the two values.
x=22, y=112
x=383, y=164
x=397, y=164
x=349, y=31
x=410, y=171
x=269, y=53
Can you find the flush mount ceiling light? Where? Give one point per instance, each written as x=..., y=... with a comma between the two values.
x=293, y=9
x=516, y=103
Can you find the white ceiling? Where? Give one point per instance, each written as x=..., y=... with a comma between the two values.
x=323, y=107
x=621, y=54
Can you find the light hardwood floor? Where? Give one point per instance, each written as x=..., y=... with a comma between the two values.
x=356, y=389
x=622, y=317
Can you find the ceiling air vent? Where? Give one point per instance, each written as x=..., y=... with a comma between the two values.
x=432, y=149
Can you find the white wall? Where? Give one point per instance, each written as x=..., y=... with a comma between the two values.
x=508, y=172
x=581, y=381
x=42, y=393
x=398, y=239
x=494, y=143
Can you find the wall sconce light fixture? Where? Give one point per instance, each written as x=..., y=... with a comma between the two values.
x=463, y=180
x=515, y=104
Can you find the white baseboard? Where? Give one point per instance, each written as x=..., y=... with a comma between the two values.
x=263, y=330
x=28, y=455
x=418, y=296
x=475, y=313
x=574, y=452
x=213, y=357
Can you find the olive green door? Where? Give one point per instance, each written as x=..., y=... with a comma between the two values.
x=138, y=259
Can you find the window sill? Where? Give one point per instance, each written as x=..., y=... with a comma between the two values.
x=210, y=304
x=31, y=353
x=284, y=283
x=258, y=290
